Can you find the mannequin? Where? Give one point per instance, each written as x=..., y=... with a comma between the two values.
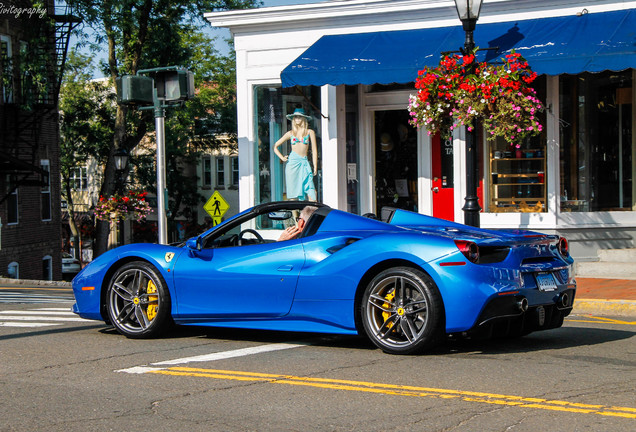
x=299, y=175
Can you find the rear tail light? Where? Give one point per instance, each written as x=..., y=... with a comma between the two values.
x=563, y=246
x=469, y=249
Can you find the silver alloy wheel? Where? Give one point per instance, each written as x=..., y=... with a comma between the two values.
x=397, y=311
x=132, y=303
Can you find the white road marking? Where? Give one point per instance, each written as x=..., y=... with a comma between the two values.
x=228, y=354
x=13, y=297
x=33, y=317
x=139, y=370
x=40, y=318
x=36, y=312
x=26, y=324
x=212, y=357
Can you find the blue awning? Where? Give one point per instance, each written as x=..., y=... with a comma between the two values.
x=592, y=42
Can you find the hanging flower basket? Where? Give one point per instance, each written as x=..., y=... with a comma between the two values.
x=119, y=207
x=463, y=90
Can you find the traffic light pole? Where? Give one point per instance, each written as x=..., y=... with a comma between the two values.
x=161, y=170
x=168, y=86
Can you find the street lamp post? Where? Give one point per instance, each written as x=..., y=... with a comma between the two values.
x=468, y=12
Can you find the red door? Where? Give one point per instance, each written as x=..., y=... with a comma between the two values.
x=443, y=181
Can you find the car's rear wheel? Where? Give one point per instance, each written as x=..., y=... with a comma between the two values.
x=138, y=301
x=402, y=311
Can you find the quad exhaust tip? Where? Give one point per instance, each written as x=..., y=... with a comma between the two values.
x=522, y=304
x=564, y=300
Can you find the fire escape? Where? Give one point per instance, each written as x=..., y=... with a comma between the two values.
x=39, y=74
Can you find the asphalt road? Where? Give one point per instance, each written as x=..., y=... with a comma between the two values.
x=60, y=373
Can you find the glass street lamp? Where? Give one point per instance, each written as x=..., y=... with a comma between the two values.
x=468, y=12
x=121, y=159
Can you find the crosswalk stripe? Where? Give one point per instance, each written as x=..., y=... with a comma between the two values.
x=26, y=324
x=37, y=312
x=39, y=318
x=14, y=297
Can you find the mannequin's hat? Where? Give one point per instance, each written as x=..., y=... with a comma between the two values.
x=298, y=112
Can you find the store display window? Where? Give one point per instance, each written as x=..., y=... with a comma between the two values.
x=287, y=166
x=517, y=173
x=596, y=142
x=395, y=161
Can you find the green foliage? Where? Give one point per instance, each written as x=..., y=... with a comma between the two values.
x=87, y=111
x=142, y=34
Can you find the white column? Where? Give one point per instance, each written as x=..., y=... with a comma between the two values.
x=424, y=173
x=246, y=139
x=459, y=171
x=333, y=163
x=553, y=155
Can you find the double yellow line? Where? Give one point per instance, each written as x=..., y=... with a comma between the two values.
x=400, y=390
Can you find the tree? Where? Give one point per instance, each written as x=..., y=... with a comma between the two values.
x=196, y=127
x=141, y=34
x=87, y=110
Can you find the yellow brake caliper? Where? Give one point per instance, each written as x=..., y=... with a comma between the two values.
x=153, y=300
x=386, y=315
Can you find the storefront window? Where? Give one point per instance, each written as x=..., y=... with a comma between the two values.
x=517, y=175
x=395, y=161
x=596, y=142
x=273, y=105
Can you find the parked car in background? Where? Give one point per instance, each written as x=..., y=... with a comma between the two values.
x=70, y=266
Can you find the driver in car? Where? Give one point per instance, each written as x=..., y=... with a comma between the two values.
x=294, y=231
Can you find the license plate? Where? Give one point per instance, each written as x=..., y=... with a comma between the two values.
x=546, y=281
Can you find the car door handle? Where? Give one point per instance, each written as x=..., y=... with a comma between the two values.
x=286, y=268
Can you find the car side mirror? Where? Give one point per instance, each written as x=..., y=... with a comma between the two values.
x=195, y=243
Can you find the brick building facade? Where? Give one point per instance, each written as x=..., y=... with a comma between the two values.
x=33, y=46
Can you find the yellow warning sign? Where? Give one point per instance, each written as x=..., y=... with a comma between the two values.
x=216, y=207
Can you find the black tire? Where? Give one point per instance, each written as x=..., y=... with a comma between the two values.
x=402, y=311
x=138, y=301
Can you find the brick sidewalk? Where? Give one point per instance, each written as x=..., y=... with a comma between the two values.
x=614, y=289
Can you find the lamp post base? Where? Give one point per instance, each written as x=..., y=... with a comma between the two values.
x=471, y=207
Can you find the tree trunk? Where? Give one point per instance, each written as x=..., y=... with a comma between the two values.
x=102, y=229
x=70, y=210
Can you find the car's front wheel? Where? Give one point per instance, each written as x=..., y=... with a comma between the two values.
x=138, y=301
x=402, y=311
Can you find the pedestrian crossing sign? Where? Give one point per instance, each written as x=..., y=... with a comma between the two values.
x=216, y=207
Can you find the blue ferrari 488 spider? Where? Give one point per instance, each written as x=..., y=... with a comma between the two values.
x=404, y=283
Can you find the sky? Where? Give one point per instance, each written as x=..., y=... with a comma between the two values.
x=221, y=33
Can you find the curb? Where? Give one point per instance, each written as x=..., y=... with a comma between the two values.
x=36, y=283
x=605, y=307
